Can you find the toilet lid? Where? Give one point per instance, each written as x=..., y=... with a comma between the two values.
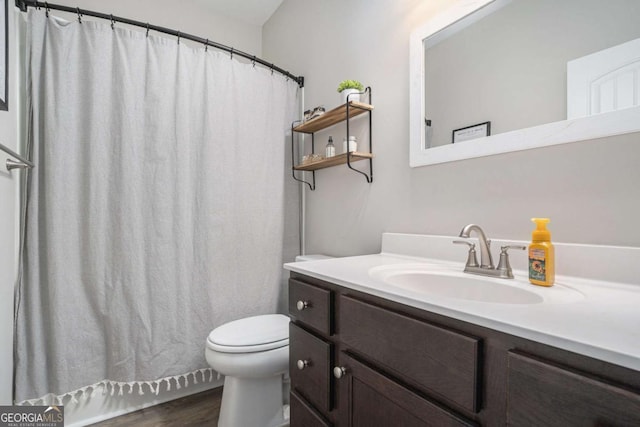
x=251, y=334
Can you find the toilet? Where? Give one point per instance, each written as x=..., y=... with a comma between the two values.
x=253, y=355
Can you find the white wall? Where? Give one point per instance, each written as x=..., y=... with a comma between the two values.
x=184, y=16
x=589, y=190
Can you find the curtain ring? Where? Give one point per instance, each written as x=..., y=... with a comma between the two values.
x=38, y=5
x=206, y=45
x=178, y=37
x=113, y=22
x=79, y=15
x=231, y=53
x=272, y=69
x=46, y=8
x=147, y=29
x=254, y=61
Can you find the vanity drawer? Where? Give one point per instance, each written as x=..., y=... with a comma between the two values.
x=311, y=305
x=313, y=381
x=543, y=394
x=438, y=360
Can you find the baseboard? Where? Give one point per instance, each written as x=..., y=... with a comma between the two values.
x=99, y=406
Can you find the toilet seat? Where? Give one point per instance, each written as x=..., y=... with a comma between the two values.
x=251, y=334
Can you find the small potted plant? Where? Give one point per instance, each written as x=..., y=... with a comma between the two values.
x=347, y=87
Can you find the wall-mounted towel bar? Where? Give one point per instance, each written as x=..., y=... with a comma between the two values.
x=22, y=163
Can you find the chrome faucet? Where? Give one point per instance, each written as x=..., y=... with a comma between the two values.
x=486, y=267
x=485, y=249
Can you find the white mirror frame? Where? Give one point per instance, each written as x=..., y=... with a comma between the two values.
x=466, y=12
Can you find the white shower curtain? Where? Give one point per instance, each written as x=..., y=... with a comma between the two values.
x=156, y=209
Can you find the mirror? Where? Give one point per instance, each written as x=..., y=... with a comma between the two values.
x=524, y=67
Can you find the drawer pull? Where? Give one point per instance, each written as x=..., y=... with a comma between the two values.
x=301, y=305
x=339, y=372
x=303, y=364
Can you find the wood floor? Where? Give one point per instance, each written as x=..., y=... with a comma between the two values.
x=200, y=409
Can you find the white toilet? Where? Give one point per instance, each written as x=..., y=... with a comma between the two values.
x=253, y=355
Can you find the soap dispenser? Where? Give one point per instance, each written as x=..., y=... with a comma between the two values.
x=541, y=255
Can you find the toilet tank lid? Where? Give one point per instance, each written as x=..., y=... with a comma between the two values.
x=251, y=331
x=312, y=257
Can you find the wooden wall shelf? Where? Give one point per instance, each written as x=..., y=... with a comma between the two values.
x=342, y=113
x=332, y=117
x=339, y=159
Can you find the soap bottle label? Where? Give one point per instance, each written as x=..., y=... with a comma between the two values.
x=537, y=269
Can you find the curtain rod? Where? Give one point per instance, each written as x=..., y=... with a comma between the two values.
x=24, y=4
x=21, y=163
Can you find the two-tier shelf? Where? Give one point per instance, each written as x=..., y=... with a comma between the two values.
x=342, y=113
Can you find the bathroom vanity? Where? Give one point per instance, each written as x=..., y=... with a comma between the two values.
x=369, y=350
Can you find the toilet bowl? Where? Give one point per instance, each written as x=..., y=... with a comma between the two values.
x=253, y=355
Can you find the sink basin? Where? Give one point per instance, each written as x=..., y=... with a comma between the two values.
x=435, y=280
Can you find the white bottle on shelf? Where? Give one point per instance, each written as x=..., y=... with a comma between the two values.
x=353, y=145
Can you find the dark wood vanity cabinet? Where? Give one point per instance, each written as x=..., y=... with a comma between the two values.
x=361, y=361
x=370, y=398
x=540, y=393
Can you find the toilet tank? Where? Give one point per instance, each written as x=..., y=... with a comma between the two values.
x=313, y=257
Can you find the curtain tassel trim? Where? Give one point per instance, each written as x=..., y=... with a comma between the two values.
x=118, y=388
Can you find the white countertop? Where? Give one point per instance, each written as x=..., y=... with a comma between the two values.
x=603, y=322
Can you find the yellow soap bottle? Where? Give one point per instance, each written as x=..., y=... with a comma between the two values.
x=541, y=255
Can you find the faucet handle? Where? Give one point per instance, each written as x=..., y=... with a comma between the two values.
x=464, y=242
x=472, y=260
x=504, y=249
x=503, y=264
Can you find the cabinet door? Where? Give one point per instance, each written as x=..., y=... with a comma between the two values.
x=310, y=367
x=304, y=415
x=541, y=394
x=369, y=399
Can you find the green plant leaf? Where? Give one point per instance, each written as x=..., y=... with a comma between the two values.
x=350, y=84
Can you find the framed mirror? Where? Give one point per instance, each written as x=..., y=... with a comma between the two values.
x=496, y=76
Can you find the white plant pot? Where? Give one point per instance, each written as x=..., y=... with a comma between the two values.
x=348, y=92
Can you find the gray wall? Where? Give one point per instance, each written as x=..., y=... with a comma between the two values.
x=190, y=16
x=589, y=190
x=510, y=68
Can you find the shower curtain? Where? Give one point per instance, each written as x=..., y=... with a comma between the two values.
x=155, y=212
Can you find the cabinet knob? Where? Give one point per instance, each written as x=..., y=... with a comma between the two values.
x=339, y=371
x=301, y=305
x=302, y=364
